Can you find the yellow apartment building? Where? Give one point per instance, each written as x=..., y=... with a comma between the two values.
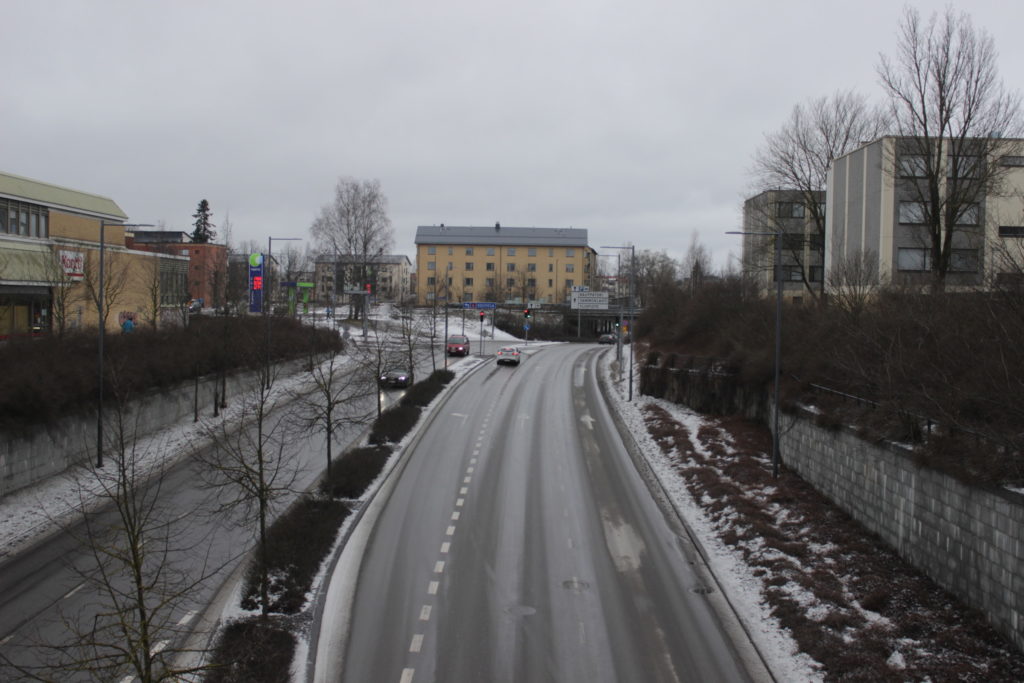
x=503, y=265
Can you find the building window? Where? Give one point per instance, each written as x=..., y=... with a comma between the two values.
x=570, y=252
x=490, y=282
x=511, y=251
x=913, y=259
x=469, y=265
x=27, y=220
x=489, y=266
x=913, y=166
x=551, y=283
x=510, y=267
x=569, y=284
x=531, y=251
x=451, y=251
x=789, y=210
x=968, y=215
x=450, y=266
x=816, y=273
x=449, y=282
x=963, y=261
x=551, y=267
x=912, y=213
x=469, y=251
x=1011, y=230
x=531, y=282
x=490, y=251
x=468, y=282
x=964, y=167
x=510, y=283
x=431, y=251
x=531, y=267
x=1012, y=161
x=551, y=252
x=570, y=267
x=789, y=274
x=431, y=265
x=793, y=241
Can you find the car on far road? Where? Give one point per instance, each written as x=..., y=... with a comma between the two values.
x=508, y=355
x=606, y=339
x=458, y=345
x=396, y=377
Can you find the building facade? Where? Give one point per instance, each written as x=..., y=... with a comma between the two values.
x=50, y=240
x=502, y=265
x=387, y=275
x=208, y=262
x=877, y=209
x=797, y=218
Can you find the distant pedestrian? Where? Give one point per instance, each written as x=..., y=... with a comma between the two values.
x=127, y=326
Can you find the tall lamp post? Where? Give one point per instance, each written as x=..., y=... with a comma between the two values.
x=632, y=270
x=267, y=310
x=776, y=456
x=100, y=296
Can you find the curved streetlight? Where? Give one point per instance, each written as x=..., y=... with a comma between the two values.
x=269, y=291
x=632, y=270
x=776, y=456
x=100, y=296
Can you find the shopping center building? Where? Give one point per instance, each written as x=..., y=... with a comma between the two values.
x=50, y=239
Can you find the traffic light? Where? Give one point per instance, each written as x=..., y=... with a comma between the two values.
x=526, y=313
x=481, y=316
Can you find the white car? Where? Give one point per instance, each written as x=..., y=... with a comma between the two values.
x=508, y=355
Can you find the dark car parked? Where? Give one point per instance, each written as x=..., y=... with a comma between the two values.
x=606, y=339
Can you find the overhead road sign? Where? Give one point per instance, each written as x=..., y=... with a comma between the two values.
x=479, y=304
x=589, y=301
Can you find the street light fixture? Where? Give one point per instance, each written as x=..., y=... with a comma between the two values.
x=632, y=270
x=776, y=457
x=268, y=291
x=100, y=296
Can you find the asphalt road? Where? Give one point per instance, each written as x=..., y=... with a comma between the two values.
x=518, y=543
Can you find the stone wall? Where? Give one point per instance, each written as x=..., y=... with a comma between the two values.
x=70, y=441
x=967, y=539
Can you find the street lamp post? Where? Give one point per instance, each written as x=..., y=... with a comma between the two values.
x=268, y=291
x=776, y=456
x=100, y=295
x=632, y=270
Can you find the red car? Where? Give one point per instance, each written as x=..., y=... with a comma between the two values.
x=458, y=345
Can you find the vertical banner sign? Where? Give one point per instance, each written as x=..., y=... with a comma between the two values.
x=256, y=283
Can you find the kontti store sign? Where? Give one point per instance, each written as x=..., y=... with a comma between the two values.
x=73, y=264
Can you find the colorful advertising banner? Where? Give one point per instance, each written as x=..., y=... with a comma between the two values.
x=256, y=283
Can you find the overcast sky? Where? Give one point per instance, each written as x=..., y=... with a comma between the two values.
x=634, y=120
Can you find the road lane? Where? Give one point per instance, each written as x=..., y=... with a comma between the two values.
x=520, y=544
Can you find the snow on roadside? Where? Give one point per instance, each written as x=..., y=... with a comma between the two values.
x=744, y=590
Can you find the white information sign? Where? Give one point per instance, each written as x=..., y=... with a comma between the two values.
x=590, y=301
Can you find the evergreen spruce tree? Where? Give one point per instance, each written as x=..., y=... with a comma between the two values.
x=204, y=233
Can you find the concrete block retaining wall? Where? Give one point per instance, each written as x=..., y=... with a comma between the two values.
x=72, y=440
x=969, y=540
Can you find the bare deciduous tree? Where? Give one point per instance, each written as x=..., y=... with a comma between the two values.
x=954, y=116
x=854, y=281
x=252, y=466
x=115, y=280
x=64, y=293
x=797, y=156
x=338, y=392
x=141, y=571
x=355, y=225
